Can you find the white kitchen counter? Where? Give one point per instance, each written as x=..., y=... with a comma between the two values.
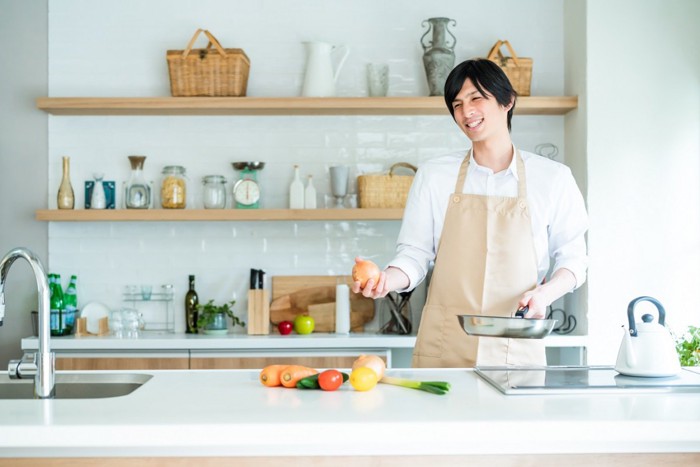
x=229, y=413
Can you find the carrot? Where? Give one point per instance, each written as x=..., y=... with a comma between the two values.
x=270, y=375
x=293, y=373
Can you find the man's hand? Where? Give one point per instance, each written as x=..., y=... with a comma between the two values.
x=539, y=298
x=389, y=280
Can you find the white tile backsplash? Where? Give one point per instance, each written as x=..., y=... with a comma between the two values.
x=108, y=256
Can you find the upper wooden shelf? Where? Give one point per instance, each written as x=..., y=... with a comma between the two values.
x=96, y=215
x=542, y=105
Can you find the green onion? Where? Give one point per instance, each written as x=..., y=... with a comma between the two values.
x=434, y=387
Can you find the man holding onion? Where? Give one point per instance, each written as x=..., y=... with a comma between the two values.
x=492, y=218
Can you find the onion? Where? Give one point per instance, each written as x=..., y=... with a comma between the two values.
x=372, y=362
x=363, y=271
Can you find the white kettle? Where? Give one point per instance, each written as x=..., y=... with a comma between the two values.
x=319, y=77
x=648, y=348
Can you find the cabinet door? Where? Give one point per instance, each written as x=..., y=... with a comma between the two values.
x=247, y=360
x=123, y=361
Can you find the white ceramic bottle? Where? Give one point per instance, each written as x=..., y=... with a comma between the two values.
x=310, y=194
x=98, y=199
x=342, y=309
x=296, y=191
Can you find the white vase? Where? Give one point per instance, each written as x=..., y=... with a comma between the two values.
x=98, y=200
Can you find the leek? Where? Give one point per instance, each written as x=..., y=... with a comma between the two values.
x=433, y=387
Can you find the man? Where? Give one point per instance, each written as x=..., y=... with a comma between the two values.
x=491, y=218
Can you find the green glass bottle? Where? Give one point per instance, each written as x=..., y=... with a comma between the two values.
x=191, y=302
x=70, y=303
x=58, y=324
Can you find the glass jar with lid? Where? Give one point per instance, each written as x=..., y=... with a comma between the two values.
x=137, y=192
x=173, y=189
x=214, y=191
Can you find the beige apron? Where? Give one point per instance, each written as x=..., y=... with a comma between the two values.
x=485, y=261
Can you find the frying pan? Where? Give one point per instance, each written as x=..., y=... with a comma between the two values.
x=499, y=326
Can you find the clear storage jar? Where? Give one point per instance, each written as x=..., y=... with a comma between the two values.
x=173, y=189
x=214, y=192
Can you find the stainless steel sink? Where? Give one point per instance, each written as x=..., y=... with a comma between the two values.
x=77, y=385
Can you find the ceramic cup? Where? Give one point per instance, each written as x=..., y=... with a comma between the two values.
x=377, y=79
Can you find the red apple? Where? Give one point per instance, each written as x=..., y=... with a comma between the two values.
x=285, y=327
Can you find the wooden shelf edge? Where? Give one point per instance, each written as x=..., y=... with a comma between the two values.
x=164, y=215
x=434, y=105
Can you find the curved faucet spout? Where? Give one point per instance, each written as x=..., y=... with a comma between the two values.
x=45, y=375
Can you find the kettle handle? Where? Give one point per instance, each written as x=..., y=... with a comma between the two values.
x=630, y=312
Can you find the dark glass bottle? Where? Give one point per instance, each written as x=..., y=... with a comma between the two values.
x=191, y=302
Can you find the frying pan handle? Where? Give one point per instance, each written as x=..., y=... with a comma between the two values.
x=521, y=312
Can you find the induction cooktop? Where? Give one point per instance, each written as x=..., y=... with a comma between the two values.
x=583, y=380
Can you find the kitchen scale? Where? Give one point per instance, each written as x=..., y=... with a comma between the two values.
x=582, y=380
x=246, y=191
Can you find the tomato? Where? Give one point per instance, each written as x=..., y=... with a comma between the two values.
x=363, y=378
x=330, y=380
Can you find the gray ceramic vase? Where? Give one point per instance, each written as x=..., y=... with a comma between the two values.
x=438, y=54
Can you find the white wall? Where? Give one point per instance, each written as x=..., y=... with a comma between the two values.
x=118, y=49
x=643, y=167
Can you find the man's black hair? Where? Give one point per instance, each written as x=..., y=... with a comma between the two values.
x=487, y=77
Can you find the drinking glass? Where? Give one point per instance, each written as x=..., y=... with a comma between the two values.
x=146, y=291
x=377, y=79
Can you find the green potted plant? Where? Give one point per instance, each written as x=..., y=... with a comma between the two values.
x=688, y=347
x=212, y=318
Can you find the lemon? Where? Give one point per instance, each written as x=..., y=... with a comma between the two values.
x=363, y=379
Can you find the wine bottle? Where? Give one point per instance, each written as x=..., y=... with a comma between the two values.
x=191, y=302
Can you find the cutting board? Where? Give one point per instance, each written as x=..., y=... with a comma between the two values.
x=284, y=285
x=315, y=296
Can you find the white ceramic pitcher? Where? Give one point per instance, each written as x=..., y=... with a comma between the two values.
x=319, y=78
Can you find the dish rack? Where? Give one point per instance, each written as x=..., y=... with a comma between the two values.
x=157, y=309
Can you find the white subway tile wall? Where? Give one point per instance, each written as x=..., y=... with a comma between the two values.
x=118, y=49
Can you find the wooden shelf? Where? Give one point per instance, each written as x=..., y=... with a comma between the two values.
x=160, y=215
x=533, y=105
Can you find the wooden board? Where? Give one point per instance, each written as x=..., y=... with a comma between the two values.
x=315, y=296
x=285, y=285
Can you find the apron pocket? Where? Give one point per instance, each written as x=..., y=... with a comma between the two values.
x=431, y=335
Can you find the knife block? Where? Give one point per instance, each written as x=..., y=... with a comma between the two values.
x=258, y=312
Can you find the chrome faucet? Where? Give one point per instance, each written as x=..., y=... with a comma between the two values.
x=42, y=364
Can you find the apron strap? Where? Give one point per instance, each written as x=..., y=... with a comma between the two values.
x=519, y=167
x=459, y=186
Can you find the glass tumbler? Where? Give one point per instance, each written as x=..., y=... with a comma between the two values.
x=377, y=79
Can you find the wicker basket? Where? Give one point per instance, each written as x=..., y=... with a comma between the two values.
x=385, y=191
x=211, y=72
x=517, y=69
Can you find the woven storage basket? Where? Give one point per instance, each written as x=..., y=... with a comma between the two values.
x=385, y=191
x=211, y=72
x=517, y=69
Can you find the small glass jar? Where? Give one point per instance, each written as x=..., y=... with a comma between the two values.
x=173, y=189
x=214, y=191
